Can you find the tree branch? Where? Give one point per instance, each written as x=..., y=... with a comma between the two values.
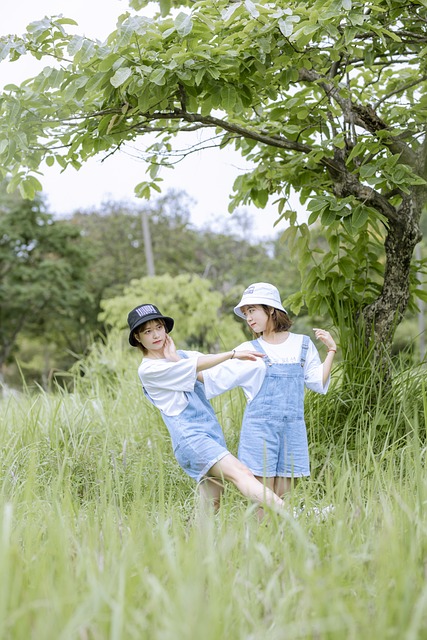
x=360, y=115
x=345, y=183
x=210, y=121
x=402, y=88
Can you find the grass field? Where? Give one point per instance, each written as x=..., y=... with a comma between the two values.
x=100, y=537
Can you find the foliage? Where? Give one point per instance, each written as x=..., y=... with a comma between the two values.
x=114, y=231
x=227, y=260
x=189, y=300
x=43, y=269
x=328, y=99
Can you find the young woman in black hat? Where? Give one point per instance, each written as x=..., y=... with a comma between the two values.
x=170, y=381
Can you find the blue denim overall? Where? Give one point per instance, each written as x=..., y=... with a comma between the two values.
x=273, y=439
x=197, y=438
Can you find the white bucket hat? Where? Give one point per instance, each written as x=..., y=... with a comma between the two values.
x=260, y=293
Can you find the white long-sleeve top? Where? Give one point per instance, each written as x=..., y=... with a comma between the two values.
x=250, y=375
x=166, y=382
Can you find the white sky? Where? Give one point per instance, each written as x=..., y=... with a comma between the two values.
x=207, y=176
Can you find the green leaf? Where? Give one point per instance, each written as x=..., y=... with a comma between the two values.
x=86, y=52
x=324, y=287
x=390, y=34
x=158, y=77
x=313, y=217
x=28, y=187
x=286, y=25
x=338, y=284
x=214, y=72
x=334, y=243
x=294, y=302
x=165, y=7
x=250, y=6
x=5, y=48
x=199, y=76
x=317, y=204
x=107, y=63
x=347, y=266
x=75, y=45
x=359, y=216
x=328, y=217
x=142, y=190
x=289, y=235
x=120, y=77
x=368, y=170
x=183, y=24
x=226, y=14
x=261, y=198
x=228, y=97
x=420, y=293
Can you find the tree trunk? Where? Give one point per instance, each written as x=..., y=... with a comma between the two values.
x=386, y=312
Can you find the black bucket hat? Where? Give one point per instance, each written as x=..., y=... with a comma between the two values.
x=145, y=313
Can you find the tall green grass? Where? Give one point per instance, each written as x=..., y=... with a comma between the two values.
x=100, y=537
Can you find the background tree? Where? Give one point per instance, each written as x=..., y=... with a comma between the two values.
x=225, y=256
x=188, y=299
x=43, y=289
x=327, y=98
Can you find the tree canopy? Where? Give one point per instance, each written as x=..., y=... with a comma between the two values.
x=115, y=233
x=327, y=98
x=43, y=275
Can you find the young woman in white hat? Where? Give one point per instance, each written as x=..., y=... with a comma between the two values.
x=170, y=381
x=273, y=439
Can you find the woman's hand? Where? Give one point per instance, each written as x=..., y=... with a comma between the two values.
x=325, y=337
x=247, y=355
x=169, y=350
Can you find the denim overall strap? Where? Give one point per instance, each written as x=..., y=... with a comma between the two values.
x=304, y=349
x=257, y=345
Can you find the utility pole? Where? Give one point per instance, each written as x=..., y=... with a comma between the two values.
x=147, y=243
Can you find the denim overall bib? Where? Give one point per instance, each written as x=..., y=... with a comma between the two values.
x=197, y=438
x=273, y=439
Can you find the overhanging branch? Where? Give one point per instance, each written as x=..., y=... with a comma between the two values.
x=345, y=182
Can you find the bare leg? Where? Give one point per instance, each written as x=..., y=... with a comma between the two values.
x=210, y=492
x=282, y=486
x=271, y=484
x=230, y=468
